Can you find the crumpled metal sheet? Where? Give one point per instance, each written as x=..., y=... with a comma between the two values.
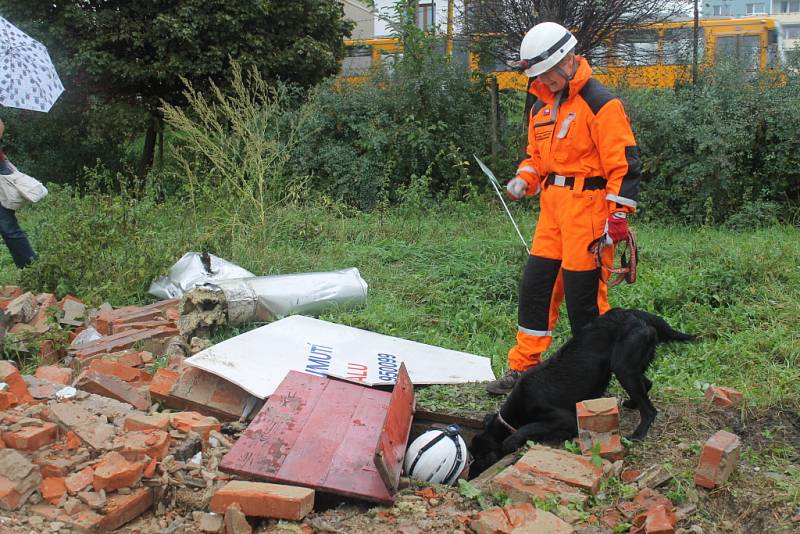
x=195, y=269
x=267, y=298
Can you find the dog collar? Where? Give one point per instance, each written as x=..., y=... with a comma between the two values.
x=511, y=428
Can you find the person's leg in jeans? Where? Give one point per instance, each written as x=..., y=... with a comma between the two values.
x=15, y=239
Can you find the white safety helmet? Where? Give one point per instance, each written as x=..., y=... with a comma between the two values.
x=437, y=456
x=544, y=46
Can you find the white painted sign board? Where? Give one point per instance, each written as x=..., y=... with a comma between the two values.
x=258, y=360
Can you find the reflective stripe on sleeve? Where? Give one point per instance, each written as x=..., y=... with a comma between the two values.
x=622, y=200
x=536, y=333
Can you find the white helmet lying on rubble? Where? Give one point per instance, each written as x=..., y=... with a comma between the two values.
x=544, y=46
x=437, y=456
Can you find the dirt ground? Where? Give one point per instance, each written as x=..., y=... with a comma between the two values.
x=762, y=496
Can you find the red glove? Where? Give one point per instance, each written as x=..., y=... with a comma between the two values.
x=617, y=226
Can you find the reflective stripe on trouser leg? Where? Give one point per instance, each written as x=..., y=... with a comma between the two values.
x=540, y=294
x=581, y=289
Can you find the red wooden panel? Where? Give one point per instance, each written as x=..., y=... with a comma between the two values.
x=396, y=427
x=316, y=432
x=274, y=428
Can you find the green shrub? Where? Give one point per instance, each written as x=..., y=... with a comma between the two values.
x=713, y=151
x=419, y=117
x=103, y=247
x=76, y=133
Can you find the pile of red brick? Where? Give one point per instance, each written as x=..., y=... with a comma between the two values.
x=560, y=479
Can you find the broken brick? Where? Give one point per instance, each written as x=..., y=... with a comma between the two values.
x=118, y=370
x=523, y=516
x=115, y=472
x=138, y=421
x=717, y=460
x=722, y=396
x=55, y=463
x=162, y=384
x=7, y=400
x=598, y=415
x=23, y=308
x=660, y=520
x=200, y=390
x=19, y=478
x=109, y=321
x=16, y=385
x=114, y=388
x=262, y=499
x=136, y=445
x=150, y=470
x=607, y=444
x=55, y=374
x=118, y=510
x=133, y=359
x=72, y=441
x=523, y=486
x=122, y=509
x=32, y=437
x=575, y=470
x=83, y=423
x=79, y=481
x=120, y=341
x=629, y=475
x=194, y=422
x=46, y=304
x=93, y=499
x=52, y=489
x=236, y=521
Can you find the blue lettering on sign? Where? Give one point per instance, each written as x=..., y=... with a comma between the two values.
x=319, y=360
x=387, y=367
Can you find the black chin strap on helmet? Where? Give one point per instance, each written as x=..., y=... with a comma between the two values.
x=452, y=432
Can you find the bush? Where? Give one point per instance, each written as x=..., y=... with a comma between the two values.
x=78, y=132
x=711, y=151
x=417, y=119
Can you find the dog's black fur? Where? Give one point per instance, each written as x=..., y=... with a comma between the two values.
x=541, y=407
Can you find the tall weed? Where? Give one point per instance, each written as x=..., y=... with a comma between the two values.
x=233, y=148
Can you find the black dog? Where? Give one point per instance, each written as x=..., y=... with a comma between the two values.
x=541, y=407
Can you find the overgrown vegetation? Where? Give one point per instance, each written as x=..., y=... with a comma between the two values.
x=724, y=151
x=446, y=275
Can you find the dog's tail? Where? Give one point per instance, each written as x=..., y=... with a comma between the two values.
x=664, y=330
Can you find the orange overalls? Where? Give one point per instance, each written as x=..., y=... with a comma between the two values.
x=583, y=155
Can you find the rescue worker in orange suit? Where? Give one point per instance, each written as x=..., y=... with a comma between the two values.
x=584, y=164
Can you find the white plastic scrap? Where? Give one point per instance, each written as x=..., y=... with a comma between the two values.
x=3, y=386
x=86, y=336
x=197, y=459
x=66, y=393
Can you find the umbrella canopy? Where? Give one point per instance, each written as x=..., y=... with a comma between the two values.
x=28, y=79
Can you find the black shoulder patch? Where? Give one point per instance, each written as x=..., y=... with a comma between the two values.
x=536, y=107
x=596, y=95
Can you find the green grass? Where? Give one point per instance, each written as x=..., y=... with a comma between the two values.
x=448, y=276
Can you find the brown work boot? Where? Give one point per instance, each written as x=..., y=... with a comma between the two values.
x=504, y=384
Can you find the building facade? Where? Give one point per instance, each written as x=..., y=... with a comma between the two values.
x=431, y=15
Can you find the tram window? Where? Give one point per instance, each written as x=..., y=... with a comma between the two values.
x=742, y=48
x=358, y=59
x=637, y=48
x=598, y=58
x=677, y=46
